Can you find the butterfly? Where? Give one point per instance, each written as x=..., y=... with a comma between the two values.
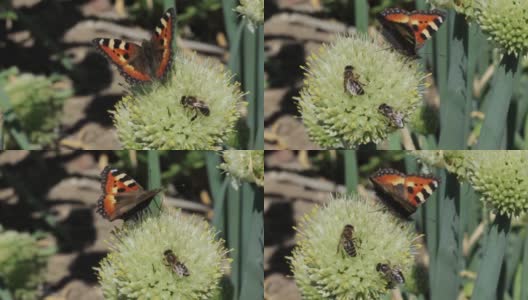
x=151, y=60
x=393, y=275
x=172, y=261
x=196, y=105
x=395, y=117
x=348, y=242
x=403, y=192
x=351, y=82
x=122, y=196
x=408, y=31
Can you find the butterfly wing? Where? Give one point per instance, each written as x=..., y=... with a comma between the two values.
x=128, y=57
x=420, y=187
x=424, y=24
x=390, y=185
x=396, y=29
x=162, y=43
x=122, y=196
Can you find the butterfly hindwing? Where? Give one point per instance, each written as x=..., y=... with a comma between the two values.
x=405, y=193
x=122, y=195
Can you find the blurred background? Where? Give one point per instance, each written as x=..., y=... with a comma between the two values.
x=56, y=90
x=49, y=199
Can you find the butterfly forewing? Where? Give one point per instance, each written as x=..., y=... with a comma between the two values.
x=408, y=31
x=122, y=195
x=140, y=64
x=401, y=192
x=162, y=41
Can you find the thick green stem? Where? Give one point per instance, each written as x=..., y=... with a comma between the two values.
x=154, y=179
x=456, y=106
x=361, y=14
x=492, y=259
x=496, y=110
x=351, y=171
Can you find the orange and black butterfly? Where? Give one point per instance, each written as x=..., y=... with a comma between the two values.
x=122, y=196
x=408, y=31
x=404, y=193
x=176, y=266
x=351, y=82
x=151, y=60
x=348, y=241
x=396, y=118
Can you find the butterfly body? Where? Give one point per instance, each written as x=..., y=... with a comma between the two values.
x=404, y=193
x=393, y=275
x=408, y=31
x=176, y=266
x=348, y=241
x=351, y=82
x=146, y=62
x=396, y=118
x=122, y=196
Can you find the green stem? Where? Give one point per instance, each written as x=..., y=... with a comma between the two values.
x=496, y=111
x=492, y=259
x=154, y=179
x=456, y=107
x=449, y=252
x=233, y=237
x=253, y=266
x=361, y=14
x=524, y=285
x=351, y=171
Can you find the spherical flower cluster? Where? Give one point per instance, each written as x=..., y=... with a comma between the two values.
x=22, y=263
x=244, y=165
x=253, y=10
x=323, y=272
x=505, y=23
x=138, y=268
x=336, y=118
x=196, y=108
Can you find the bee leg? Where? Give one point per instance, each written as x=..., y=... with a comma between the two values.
x=195, y=116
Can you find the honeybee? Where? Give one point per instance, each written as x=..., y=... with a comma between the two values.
x=172, y=261
x=392, y=274
x=395, y=117
x=348, y=241
x=196, y=105
x=351, y=82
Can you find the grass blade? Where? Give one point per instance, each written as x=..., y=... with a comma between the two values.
x=524, y=285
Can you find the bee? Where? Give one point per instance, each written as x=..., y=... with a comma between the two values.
x=348, y=241
x=395, y=117
x=196, y=105
x=351, y=82
x=172, y=261
x=393, y=275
